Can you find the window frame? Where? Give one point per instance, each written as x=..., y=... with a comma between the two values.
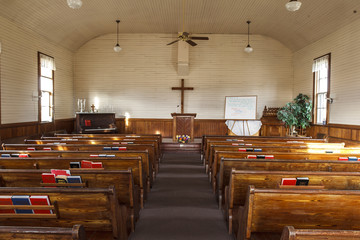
x=40, y=91
x=315, y=94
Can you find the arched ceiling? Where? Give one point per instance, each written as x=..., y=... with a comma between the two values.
x=71, y=28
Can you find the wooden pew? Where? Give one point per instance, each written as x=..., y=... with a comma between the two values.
x=135, y=164
x=86, y=155
x=235, y=194
x=277, y=155
x=270, y=210
x=97, y=209
x=90, y=147
x=290, y=233
x=258, y=144
x=114, y=137
x=128, y=194
x=77, y=232
x=156, y=136
x=122, y=143
x=228, y=164
x=275, y=148
x=206, y=138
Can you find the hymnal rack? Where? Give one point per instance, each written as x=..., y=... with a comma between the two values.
x=302, y=187
x=53, y=207
x=85, y=184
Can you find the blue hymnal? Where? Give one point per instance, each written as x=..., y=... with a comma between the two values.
x=22, y=200
x=5, y=155
x=74, y=179
x=257, y=150
x=107, y=148
x=102, y=155
x=115, y=148
x=352, y=158
x=110, y=155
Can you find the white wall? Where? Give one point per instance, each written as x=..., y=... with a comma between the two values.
x=19, y=74
x=344, y=46
x=138, y=80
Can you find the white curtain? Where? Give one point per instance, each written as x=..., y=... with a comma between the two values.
x=47, y=62
x=244, y=127
x=320, y=63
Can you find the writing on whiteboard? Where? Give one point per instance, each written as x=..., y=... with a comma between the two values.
x=240, y=107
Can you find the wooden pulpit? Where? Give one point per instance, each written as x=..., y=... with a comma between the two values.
x=183, y=124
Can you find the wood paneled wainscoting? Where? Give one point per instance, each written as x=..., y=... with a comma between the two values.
x=165, y=127
x=26, y=129
x=350, y=134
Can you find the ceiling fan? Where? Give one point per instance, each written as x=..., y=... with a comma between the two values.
x=185, y=36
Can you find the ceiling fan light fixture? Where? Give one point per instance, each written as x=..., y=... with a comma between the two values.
x=117, y=47
x=293, y=5
x=74, y=4
x=248, y=48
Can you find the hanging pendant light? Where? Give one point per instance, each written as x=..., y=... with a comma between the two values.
x=117, y=47
x=74, y=4
x=293, y=5
x=248, y=48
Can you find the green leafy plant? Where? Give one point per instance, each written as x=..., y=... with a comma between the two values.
x=296, y=113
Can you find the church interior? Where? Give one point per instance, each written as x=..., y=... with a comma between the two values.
x=180, y=119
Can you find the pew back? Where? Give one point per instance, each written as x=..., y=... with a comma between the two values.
x=270, y=210
x=97, y=209
x=290, y=233
x=77, y=232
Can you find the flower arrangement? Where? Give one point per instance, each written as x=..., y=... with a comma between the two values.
x=183, y=138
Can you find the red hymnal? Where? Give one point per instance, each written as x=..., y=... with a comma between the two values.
x=6, y=200
x=40, y=200
x=87, y=123
x=24, y=155
x=242, y=149
x=47, y=149
x=96, y=165
x=288, y=181
x=31, y=149
x=343, y=159
x=48, y=178
x=94, y=155
x=60, y=172
x=269, y=156
x=86, y=164
x=122, y=148
x=251, y=156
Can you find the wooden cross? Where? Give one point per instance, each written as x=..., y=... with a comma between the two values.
x=182, y=88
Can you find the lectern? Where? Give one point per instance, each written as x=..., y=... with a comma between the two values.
x=183, y=124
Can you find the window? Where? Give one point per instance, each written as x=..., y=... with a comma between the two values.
x=321, y=75
x=46, y=87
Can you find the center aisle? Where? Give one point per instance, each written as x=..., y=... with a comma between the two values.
x=181, y=204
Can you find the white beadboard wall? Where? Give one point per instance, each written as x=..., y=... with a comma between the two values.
x=138, y=80
x=19, y=74
x=344, y=46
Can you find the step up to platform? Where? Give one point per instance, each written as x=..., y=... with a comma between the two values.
x=183, y=147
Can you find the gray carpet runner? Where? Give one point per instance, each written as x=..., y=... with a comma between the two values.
x=181, y=204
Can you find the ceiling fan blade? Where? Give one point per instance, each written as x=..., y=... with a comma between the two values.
x=199, y=38
x=191, y=43
x=173, y=42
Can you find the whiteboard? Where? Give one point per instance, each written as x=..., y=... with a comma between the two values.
x=241, y=107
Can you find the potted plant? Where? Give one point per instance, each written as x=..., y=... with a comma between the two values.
x=296, y=113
